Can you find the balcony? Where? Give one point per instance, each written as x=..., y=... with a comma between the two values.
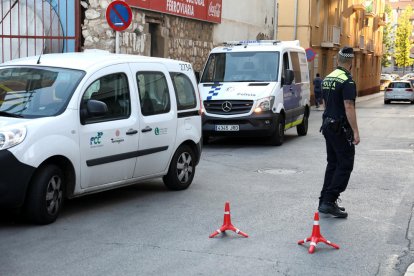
x=361, y=44
x=358, y=7
x=381, y=21
x=331, y=36
x=370, y=45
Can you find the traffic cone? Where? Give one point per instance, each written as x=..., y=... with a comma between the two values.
x=227, y=224
x=316, y=236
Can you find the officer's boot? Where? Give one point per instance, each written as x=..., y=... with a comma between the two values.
x=332, y=209
x=337, y=205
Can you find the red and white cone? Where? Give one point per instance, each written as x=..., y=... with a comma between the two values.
x=316, y=236
x=227, y=224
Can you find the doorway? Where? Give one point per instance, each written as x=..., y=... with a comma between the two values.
x=157, y=41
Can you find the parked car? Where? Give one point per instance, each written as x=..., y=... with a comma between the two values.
x=399, y=91
x=407, y=76
x=385, y=81
x=412, y=81
x=395, y=76
x=80, y=123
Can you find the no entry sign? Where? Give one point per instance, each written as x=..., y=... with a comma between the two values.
x=119, y=15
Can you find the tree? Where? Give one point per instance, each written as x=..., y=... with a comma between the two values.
x=402, y=41
x=387, y=41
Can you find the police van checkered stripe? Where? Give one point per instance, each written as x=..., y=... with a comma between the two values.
x=213, y=92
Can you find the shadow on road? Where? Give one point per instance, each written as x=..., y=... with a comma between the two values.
x=115, y=198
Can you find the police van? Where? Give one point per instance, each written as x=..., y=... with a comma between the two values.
x=255, y=88
x=79, y=123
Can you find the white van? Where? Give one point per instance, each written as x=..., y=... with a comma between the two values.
x=255, y=88
x=80, y=123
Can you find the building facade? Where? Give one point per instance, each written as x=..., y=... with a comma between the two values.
x=246, y=20
x=173, y=30
x=327, y=25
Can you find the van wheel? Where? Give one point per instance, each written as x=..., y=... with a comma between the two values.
x=45, y=196
x=182, y=169
x=302, y=128
x=276, y=139
x=386, y=101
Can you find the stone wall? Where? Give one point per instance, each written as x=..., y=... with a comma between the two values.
x=177, y=37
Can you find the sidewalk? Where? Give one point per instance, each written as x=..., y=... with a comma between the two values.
x=358, y=99
x=369, y=97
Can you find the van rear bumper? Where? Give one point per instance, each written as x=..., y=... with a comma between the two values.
x=253, y=125
x=14, y=179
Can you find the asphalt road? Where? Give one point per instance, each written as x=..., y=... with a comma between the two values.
x=273, y=193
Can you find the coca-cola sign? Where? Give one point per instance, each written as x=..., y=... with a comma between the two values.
x=206, y=10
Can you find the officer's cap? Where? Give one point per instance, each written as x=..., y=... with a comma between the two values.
x=347, y=52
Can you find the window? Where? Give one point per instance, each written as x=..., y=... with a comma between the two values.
x=31, y=92
x=114, y=92
x=399, y=85
x=296, y=66
x=285, y=66
x=184, y=91
x=153, y=93
x=242, y=67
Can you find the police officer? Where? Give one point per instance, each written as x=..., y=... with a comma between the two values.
x=340, y=130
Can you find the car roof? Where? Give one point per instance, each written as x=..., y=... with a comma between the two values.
x=88, y=59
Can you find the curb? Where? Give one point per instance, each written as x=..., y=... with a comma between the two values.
x=410, y=270
x=369, y=97
x=358, y=99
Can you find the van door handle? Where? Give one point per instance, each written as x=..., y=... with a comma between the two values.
x=131, y=132
x=147, y=129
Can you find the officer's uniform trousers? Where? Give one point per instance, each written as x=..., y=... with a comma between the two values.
x=340, y=157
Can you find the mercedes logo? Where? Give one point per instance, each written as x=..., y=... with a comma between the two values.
x=226, y=106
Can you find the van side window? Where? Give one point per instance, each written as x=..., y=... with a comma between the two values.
x=154, y=95
x=184, y=91
x=113, y=90
x=296, y=66
x=285, y=66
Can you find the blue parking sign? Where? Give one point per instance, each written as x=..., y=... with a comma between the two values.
x=119, y=15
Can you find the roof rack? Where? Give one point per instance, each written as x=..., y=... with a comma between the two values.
x=260, y=42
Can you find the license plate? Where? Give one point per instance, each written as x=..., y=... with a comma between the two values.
x=227, y=127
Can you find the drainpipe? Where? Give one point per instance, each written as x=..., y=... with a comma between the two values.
x=275, y=23
x=296, y=19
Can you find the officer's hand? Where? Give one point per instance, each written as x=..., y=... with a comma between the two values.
x=356, y=139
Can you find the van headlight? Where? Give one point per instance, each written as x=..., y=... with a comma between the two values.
x=10, y=137
x=264, y=104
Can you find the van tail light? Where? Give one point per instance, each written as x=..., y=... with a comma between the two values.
x=388, y=89
x=409, y=90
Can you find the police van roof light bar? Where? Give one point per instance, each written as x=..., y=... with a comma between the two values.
x=251, y=42
x=261, y=42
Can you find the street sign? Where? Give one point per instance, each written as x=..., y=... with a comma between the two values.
x=119, y=15
x=310, y=54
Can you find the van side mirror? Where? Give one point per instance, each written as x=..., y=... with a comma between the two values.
x=93, y=108
x=289, y=76
x=96, y=108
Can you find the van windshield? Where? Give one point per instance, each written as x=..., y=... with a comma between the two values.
x=33, y=92
x=242, y=67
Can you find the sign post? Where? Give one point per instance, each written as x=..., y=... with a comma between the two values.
x=119, y=18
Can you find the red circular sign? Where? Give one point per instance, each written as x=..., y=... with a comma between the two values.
x=119, y=15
